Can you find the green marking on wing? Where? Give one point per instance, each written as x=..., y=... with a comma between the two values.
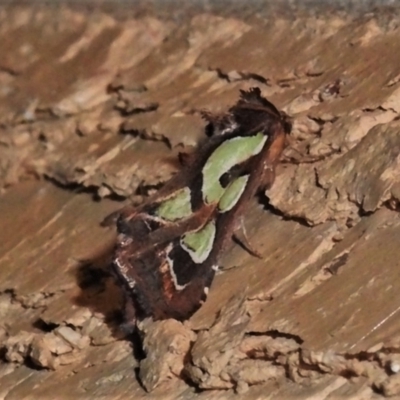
x=176, y=207
x=230, y=153
x=200, y=243
x=232, y=193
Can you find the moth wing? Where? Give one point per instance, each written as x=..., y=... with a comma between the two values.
x=167, y=260
x=169, y=279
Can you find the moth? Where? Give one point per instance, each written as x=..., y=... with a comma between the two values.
x=168, y=248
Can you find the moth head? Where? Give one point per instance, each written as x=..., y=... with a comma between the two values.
x=218, y=124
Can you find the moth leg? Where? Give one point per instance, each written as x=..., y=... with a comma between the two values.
x=112, y=218
x=267, y=178
x=240, y=236
x=128, y=325
x=307, y=159
x=303, y=159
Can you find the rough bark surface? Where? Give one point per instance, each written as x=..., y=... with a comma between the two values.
x=94, y=109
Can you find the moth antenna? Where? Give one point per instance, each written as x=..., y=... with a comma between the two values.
x=240, y=236
x=206, y=115
x=214, y=118
x=111, y=219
